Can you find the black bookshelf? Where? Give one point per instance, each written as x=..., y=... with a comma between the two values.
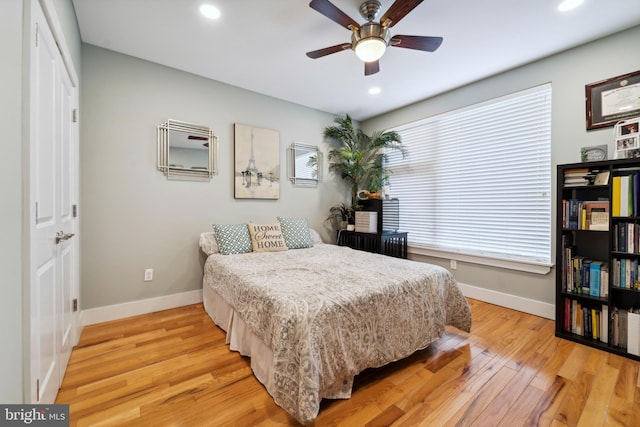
x=387, y=243
x=584, y=250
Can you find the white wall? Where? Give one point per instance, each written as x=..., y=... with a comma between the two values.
x=11, y=389
x=132, y=217
x=568, y=72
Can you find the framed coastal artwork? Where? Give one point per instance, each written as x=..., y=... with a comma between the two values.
x=256, y=163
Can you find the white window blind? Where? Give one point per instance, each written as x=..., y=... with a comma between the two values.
x=477, y=181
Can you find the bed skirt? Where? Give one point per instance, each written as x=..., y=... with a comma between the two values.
x=239, y=337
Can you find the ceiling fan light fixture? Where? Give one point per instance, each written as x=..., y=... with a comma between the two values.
x=370, y=41
x=370, y=49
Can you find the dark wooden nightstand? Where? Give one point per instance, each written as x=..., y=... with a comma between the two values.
x=392, y=243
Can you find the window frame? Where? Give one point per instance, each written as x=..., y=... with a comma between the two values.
x=533, y=264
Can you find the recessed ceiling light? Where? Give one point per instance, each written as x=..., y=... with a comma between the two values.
x=567, y=5
x=210, y=11
x=374, y=91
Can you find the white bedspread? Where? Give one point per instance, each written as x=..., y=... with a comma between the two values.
x=329, y=312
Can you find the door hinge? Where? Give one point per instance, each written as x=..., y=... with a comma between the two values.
x=74, y=115
x=75, y=304
x=38, y=390
x=74, y=210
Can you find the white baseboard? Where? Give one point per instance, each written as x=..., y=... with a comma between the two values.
x=119, y=311
x=514, y=302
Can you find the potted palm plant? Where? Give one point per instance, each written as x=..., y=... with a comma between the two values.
x=340, y=216
x=359, y=158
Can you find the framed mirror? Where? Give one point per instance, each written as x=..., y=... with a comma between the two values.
x=187, y=151
x=304, y=164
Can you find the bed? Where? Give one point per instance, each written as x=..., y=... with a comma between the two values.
x=312, y=318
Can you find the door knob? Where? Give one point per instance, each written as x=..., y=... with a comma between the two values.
x=61, y=236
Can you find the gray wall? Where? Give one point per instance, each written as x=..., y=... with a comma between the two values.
x=132, y=217
x=11, y=389
x=568, y=72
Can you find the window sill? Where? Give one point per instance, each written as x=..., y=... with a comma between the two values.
x=528, y=267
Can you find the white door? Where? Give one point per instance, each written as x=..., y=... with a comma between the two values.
x=52, y=191
x=67, y=247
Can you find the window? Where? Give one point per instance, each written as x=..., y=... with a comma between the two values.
x=477, y=181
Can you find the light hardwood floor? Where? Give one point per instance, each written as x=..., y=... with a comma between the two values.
x=173, y=368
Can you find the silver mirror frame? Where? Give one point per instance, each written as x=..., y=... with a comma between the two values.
x=164, y=145
x=292, y=155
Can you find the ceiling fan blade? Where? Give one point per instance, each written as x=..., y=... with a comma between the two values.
x=329, y=10
x=199, y=138
x=428, y=44
x=328, y=50
x=397, y=11
x=371, y=67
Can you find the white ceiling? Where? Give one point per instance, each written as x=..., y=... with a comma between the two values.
x=260, y=45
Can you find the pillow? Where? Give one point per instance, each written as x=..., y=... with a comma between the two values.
x=208, y=243
x=296, y=232
x=233, y=238
x=267, y=237
x=315, y=237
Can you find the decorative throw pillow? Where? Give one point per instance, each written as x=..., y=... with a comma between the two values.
x=315, y=237
x=233, y=238
x=208, y=243
x=296, y=232
x=266, y=237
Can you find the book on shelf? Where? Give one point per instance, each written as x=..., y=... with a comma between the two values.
x=633, y=332
x=625, y=274
x=620, y=326
x=599, y=221
x=604, y=324
x=585, y=176
x=626, y=237
x=635, y=193
x=601, y=178
x=625, y=195
x=583, y=276
x=577, y=214
x=595, y=324
x=587, y=321
x=578, y=177
x=594, y=278
x=597, y=214
x=576, y=171
x=604, y=280
x=615, y=195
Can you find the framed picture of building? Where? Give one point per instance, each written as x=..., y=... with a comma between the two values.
x=256, y=163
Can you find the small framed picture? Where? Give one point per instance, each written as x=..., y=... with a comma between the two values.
x=627, y=143
x=627, y=127
x=593, y=153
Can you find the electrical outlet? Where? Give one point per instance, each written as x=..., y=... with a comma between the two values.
x=148, y=275
x=453, y=264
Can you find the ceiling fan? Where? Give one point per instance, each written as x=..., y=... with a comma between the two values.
x=370, y=40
